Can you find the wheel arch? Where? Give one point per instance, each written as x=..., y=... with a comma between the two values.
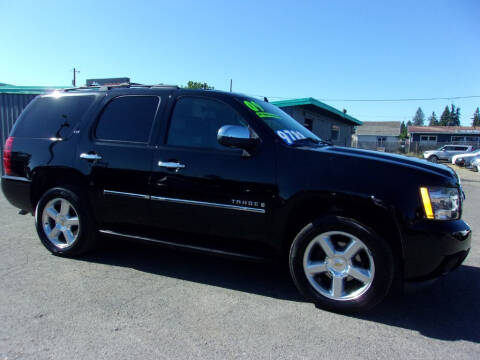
x=369, y=211
x=45, y=178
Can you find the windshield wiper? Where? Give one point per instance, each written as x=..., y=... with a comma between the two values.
x=309, y=141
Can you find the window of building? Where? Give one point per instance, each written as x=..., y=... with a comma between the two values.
x=308, y=123
x=381, y=140
x=127, y=118
x=196, y=121
x=428, y=138
x=334, y=132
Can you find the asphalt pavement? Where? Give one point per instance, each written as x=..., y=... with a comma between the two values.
x=137, y=301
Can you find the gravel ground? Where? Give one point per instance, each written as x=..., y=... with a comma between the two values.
x=140, y=302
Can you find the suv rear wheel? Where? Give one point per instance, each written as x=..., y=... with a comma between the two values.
x=63, y=223
x=341, y=265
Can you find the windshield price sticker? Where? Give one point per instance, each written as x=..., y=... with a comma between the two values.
x=252, y=105
x=289, y=136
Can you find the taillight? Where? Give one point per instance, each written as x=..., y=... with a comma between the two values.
x=7, y=156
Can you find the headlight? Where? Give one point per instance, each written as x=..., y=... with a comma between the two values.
x=441, y=203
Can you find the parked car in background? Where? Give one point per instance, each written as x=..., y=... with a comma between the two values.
x=464, y=159
x=467, y=162
x=446, y=152
x=476, y=164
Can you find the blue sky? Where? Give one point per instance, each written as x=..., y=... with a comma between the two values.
x=280, y=49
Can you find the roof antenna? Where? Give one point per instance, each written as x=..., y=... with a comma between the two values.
x=265, y=99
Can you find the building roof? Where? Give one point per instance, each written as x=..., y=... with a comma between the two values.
x=319, y=104
x=12, y=89
x=444, y=129
x=382, y=128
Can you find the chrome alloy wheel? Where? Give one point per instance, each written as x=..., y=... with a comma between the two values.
x=338, y=265
x=60, y=223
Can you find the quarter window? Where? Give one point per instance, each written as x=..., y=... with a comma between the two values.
x=52, y=116
x=128, y=118
x=195, y=122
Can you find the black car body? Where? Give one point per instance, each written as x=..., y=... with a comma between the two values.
x=167, y=179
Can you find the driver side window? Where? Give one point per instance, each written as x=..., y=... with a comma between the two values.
x=195, y=122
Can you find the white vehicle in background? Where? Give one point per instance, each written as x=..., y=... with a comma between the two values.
x=465, y=157
x=476, y=164
x=446, y=152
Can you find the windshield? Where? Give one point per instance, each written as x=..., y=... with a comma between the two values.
x=282, y=124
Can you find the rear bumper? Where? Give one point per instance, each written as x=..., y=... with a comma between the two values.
x=434, y=248
x=17, y=191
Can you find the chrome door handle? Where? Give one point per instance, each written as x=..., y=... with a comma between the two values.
x=90, y=156
x=170, y=165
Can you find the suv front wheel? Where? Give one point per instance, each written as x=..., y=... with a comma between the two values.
x=63, y=223
x=341, y=265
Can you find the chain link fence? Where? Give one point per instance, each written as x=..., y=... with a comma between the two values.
x=410, y=147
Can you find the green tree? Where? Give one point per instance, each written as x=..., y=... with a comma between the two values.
x=454, y=116
x=445, y=118
x=476, y=118
x=403, y=130
x=432, y=120
x=199, y=85
x=419, y=118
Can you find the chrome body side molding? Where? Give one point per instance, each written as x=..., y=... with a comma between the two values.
x=119, y=193
x=186, y=202
x=209, y=204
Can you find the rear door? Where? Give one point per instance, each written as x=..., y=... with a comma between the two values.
x=202, y=187
x=116, y=155
x=454, y=150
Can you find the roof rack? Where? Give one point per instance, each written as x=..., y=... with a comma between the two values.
x=124, y=85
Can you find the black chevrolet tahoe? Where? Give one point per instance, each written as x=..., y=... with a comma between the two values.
x=234, y=176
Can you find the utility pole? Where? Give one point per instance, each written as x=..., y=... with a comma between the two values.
x=230, y=85
x=74, y=81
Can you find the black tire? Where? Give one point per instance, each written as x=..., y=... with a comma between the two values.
x=85, y=233
x=378, y=250
x=433, y=159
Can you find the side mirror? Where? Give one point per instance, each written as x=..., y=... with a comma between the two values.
x=236, y=137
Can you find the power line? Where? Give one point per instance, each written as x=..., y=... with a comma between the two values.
x=382, y=100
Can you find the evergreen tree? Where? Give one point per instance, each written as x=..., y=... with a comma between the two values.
x=476, y=118
x=419, y=118
x=445, y=118
x=454, y=116
x=432, y=120
x=403, y=130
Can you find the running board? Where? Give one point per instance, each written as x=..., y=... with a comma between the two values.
x=176, y=245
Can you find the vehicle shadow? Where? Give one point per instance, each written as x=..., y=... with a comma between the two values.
x=257, y=278
x=447, y=310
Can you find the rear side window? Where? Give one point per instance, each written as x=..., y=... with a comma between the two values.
x=127, y=118
x=52, y=117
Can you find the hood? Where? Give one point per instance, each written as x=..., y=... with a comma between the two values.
x=400, y=160
x=467, y=155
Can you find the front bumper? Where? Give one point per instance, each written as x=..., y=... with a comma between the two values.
x=433, y=248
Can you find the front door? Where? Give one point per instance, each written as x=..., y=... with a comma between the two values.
x=200, y=186
x=116, y=155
